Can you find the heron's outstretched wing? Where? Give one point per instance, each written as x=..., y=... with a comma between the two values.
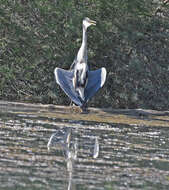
x=64, y=79
x=96, y=80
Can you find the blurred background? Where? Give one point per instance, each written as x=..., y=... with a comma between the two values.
x=131, y=40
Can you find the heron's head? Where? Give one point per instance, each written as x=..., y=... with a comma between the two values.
x=88, y=22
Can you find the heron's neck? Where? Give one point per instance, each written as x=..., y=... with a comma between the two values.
x=82, y=54
x=84, y=38
x=83, y=49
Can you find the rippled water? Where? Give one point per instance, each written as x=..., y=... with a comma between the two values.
x=129, y=157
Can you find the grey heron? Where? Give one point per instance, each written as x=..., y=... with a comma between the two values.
x=79, y=83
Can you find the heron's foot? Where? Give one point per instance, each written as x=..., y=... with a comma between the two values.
x=76, y=109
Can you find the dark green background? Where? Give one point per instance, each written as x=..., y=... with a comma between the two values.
x=131, y=39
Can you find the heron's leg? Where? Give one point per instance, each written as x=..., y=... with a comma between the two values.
x=84, y=108
x=71, y=103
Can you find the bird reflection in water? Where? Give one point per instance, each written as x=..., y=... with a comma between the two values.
x=62, y=140
x=96, y=148
x=71, y=157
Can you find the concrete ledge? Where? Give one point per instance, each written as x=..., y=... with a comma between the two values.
x=134, y=117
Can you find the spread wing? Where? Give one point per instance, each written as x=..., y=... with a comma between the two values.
x=64, y=78
x=96, y=80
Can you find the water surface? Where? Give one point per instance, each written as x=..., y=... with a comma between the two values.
x=109, y=155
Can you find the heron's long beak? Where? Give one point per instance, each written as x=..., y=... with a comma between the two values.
x=93, y=22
